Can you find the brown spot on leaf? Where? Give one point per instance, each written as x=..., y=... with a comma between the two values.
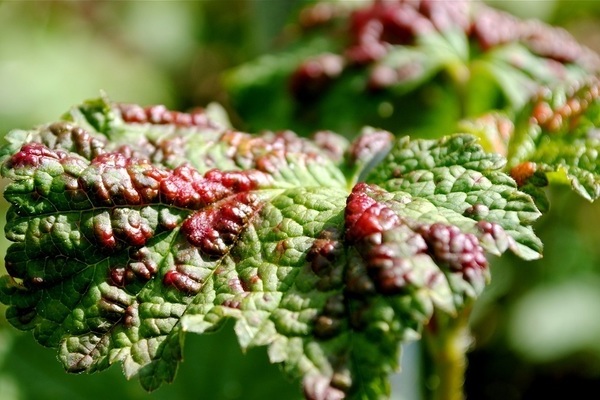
x=522, y=172
x=327, y=327
x=322, y=254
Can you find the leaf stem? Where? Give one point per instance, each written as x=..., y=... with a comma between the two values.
x=460, y=76
x=445, y=343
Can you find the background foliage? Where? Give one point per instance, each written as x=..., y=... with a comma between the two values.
x=535, y=327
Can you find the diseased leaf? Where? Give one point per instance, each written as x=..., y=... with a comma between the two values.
x=558, y=132
x=411, y=67
x=133, y=226
x=462, y=185
x=552, y=139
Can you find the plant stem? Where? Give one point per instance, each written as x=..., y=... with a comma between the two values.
x=445, y=343
x=460, y=76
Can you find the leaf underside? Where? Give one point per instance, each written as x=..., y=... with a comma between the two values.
x=132, y=226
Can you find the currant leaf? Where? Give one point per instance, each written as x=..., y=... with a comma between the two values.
x=556, y=136
x=133, y=226
x=413, y=67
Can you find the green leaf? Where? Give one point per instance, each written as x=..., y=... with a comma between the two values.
x=464, y=185
x=133, y=226
x=555, y=138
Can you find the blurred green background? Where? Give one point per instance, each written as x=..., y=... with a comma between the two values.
x=537, y=327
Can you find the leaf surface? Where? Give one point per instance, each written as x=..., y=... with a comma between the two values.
x=132, y=226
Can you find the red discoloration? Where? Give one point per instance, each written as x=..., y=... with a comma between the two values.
x=114, y=178
x=130, y=227
x=146, y=178
x=377, y=28
x=182, y=282
x=143, y=266
x=565, y=114
x=542, y=112
x=131, y=316
x=108, y=160
x=248, y=149
x=32, y=155
x=389, y=271
x=323, y=253
x=368, y=145
x=113, y=304
x=77, y=139
x=493, y=28
x=494, y=232
x=491, y=228
x=200, y=232
x=188, y=189
x=103, y=231
x=460, y=251
x=247, y=284
x=332, y=144
x=117, y=179
x=160, y=115
x=117, y=276
x=178, y=188
x=214, y=229
x=237, y=181
x=383, y=23
x=236, y=285
x=387, y=262
x=365, y=216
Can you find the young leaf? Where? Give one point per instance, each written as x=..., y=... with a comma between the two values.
x=552, y=139
x=558, y=133
x=132, y=226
